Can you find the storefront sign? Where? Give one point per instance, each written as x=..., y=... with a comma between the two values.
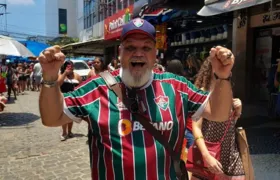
x=265, y=19
x=271, y=17
x=113, y=24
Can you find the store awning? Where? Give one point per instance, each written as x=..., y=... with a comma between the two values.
x=224, y=6
x=93, y=47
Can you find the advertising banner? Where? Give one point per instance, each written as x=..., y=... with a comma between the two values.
x=113, y=24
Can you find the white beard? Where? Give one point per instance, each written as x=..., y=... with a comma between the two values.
x=135, y=81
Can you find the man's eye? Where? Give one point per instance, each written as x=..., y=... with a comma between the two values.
x=147, y=49
x=130, y=48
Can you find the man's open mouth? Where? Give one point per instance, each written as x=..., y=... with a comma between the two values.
x=135, y=64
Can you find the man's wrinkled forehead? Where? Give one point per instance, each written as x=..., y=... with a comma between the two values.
x=134, y=38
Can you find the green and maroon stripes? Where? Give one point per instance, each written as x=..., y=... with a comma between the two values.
x=166, y=116
x=117, y=158
x=93, y=142
x=177, y=123
x=150, y=149
x=156, y=116
x=128, y=151
x=104, y=123
x=136, y=155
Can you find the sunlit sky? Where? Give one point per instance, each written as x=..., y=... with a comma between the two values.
x=24, y=16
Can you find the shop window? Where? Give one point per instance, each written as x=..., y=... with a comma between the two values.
x=130, y=2
x=125, y=4
x=85, y=23
x=120, y=4
x=62, y=21
x=112, y=7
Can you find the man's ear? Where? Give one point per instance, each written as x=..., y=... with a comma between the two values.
x=120, y=50
x=120, y=47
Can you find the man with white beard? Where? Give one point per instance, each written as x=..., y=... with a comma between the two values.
x=120, y=148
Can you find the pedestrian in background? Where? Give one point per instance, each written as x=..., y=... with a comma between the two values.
x=37, y=76
x=11, y=81
x=68, y=80
x=175, y=66
x=113, y=65
x=230, y=165
x=98, y=67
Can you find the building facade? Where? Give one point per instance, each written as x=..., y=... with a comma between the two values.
x=62, y=17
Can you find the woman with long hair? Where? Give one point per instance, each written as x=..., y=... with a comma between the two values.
x=113, y=65
x=98, y=67
x=192, y=66
x=230, y=166
x=68, y=80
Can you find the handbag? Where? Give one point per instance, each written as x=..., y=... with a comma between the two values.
x=244, y=153
x=179, y=165
x=195, y=161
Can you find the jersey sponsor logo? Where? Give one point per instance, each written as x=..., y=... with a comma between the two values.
x=125, y=126
x=162, y=102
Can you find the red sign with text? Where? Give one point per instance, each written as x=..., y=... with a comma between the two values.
x=113, y=24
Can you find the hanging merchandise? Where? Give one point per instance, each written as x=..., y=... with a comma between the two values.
x=225, y=35
x=161, y=36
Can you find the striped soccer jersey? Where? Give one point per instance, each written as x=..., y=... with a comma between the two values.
x=120, y=148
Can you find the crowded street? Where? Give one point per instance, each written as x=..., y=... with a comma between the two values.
x=31, y=151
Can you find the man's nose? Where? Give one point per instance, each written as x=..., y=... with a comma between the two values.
x=139, y=53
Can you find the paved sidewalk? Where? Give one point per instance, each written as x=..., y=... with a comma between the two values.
x=31, y=151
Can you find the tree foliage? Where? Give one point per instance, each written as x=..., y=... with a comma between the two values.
x=62, y=41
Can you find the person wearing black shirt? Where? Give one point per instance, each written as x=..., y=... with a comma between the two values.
x=68, y=80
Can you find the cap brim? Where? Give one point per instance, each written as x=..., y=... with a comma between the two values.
x=137, y=31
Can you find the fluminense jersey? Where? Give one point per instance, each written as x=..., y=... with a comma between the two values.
x=120, y=148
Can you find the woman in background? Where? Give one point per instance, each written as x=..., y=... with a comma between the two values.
x=68, y=80
x=230, y=166
x=98, y=67
x=192, y=66
x=113, y=65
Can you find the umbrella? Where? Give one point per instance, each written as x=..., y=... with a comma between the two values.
x=9, y=46
x=35, y=47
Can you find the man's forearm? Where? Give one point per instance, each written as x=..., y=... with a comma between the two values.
x=221, y=100
x=51, y=106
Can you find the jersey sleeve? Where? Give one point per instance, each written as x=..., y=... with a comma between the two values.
x=76, y=103
x=196, y=99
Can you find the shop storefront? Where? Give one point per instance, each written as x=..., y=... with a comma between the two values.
x=258, y=43
x=196, y=36
x=253, y=43
x=112, y=31
x=181, y=33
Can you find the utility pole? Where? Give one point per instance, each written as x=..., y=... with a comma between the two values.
x=3, y=12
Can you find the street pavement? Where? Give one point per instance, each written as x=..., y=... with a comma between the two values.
x=30, y=151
